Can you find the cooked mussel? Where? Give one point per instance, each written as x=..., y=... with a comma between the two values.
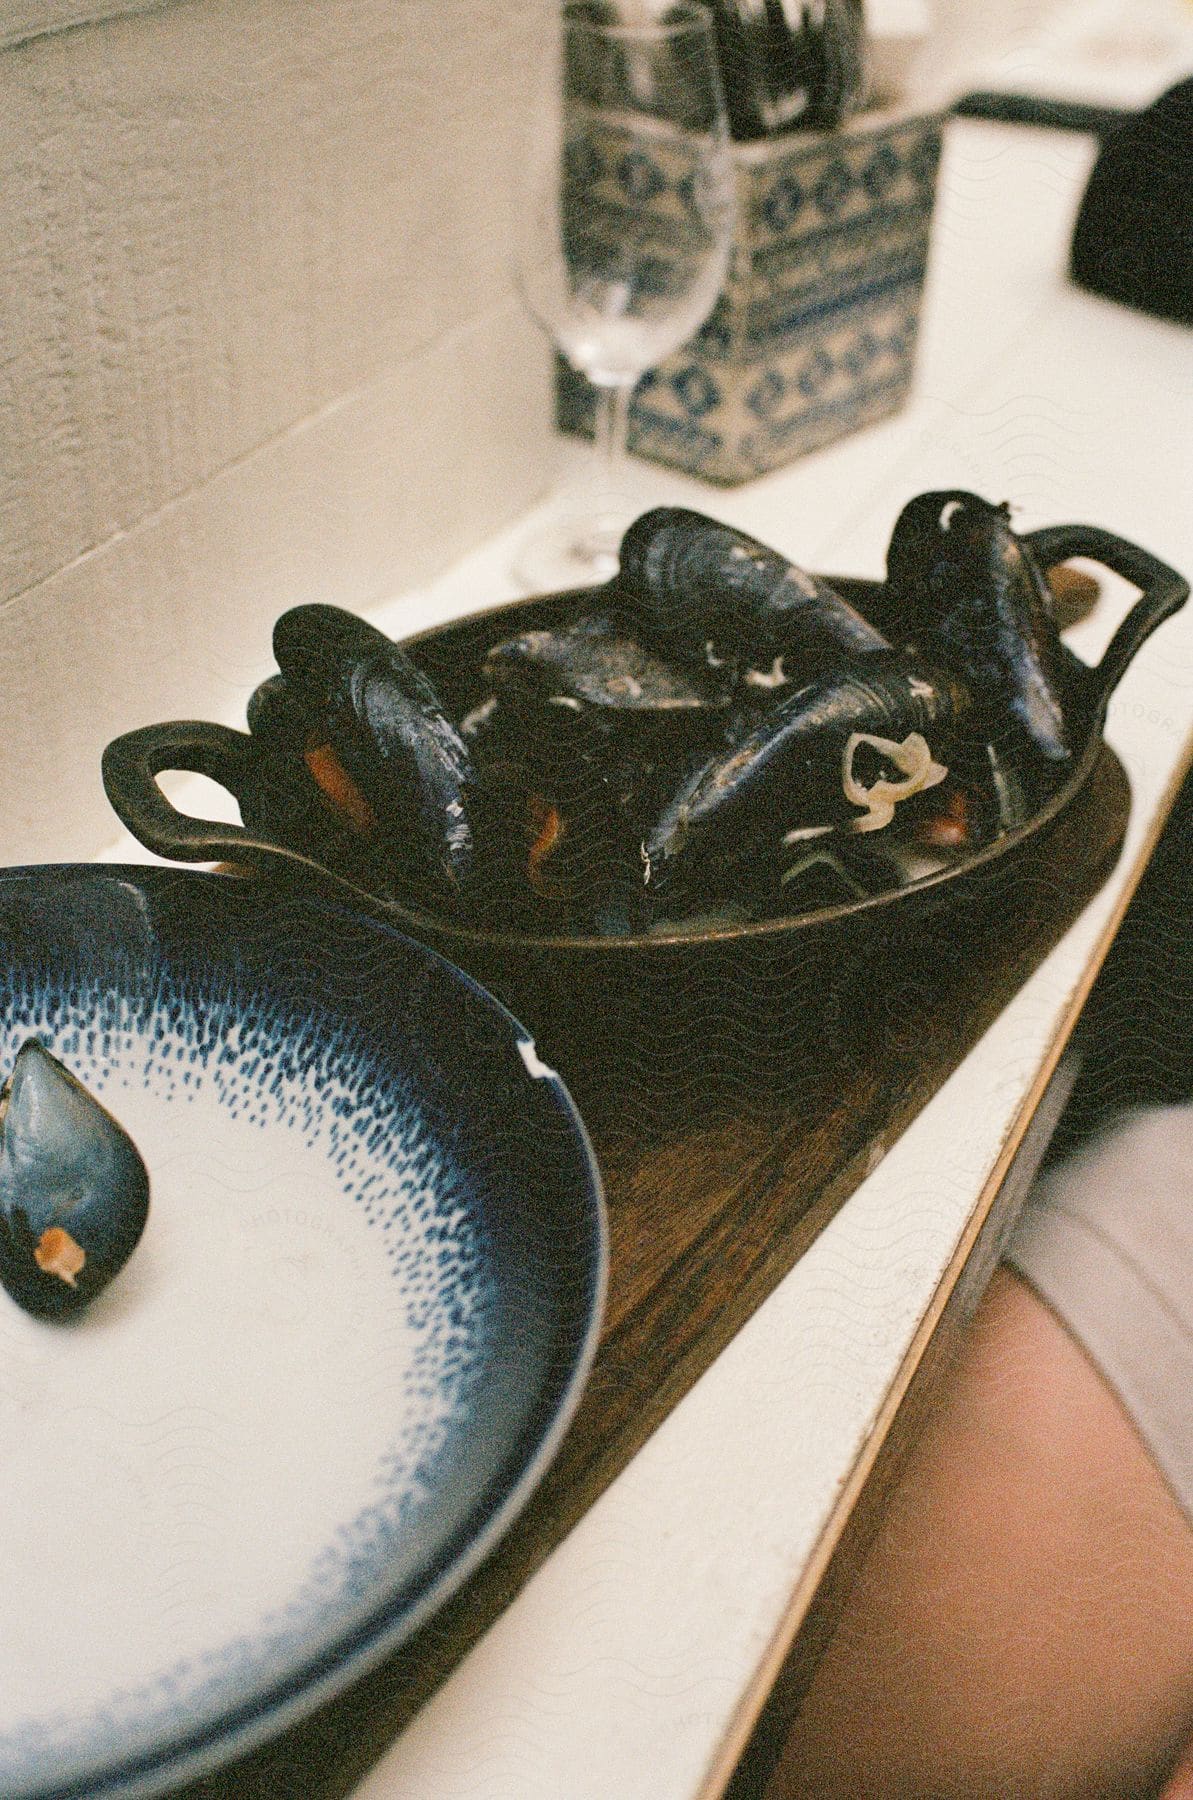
x=74, y=1192
x=561, y=798
x=379, y=723
x=299, y=793
x=597, y=663
x=716, y=593
x=296, y=753
x=972, y=596
x=555, y=855
x=847, y=747
x=716, y=712
x=585, y=734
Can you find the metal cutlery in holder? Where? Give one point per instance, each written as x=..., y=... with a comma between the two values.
x=788, y=64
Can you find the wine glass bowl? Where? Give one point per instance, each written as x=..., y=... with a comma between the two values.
x=645, y=256
x=625, y=220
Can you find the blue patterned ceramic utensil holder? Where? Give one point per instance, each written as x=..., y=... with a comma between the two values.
x=814, y=333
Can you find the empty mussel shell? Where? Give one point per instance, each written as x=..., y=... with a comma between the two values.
x=74, y=1193
x=972, y=596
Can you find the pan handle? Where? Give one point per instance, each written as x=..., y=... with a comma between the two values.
x=1161, y=591
x=132, y=764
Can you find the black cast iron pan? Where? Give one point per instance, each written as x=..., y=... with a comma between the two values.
x=737, y=1002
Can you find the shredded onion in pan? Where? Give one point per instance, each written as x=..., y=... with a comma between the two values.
x=773, y=677
x=912, y=756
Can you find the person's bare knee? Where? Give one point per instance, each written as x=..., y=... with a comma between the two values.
x=1023, y=1623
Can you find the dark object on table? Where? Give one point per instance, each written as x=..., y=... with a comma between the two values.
x=1041, y=111
x=1136, y=1034
x=1133, y=241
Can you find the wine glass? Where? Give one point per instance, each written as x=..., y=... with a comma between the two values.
x=624, y=228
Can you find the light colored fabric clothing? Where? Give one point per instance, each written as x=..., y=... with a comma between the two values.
x=1106, y=1238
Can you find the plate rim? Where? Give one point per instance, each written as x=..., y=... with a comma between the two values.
x=328, y=1672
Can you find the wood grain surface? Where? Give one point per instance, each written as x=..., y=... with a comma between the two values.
x=708, y=1210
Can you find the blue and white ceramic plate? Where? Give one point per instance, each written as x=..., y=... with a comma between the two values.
x=341, y=1356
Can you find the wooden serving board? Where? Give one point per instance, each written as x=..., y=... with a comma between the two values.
x=705, y=1220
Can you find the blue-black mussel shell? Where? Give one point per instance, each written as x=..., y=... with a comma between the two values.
x=785, y=771
x=74, y=1192
x=707, y=589
x=972, y=596
x=388, y=729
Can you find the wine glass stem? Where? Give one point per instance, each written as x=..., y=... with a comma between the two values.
x=612, y=429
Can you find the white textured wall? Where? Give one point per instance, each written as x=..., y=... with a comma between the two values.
x=258, y=345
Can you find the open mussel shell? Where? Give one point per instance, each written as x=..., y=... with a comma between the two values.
x=715, y=592
x=299, y=793
x=788, y=772
x=971, y=594
x=555, y=853
x=74, y=1192
x=560, y=802
x=593, y=697
x=286, y=797
x=382, y=721
x=585, y=735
